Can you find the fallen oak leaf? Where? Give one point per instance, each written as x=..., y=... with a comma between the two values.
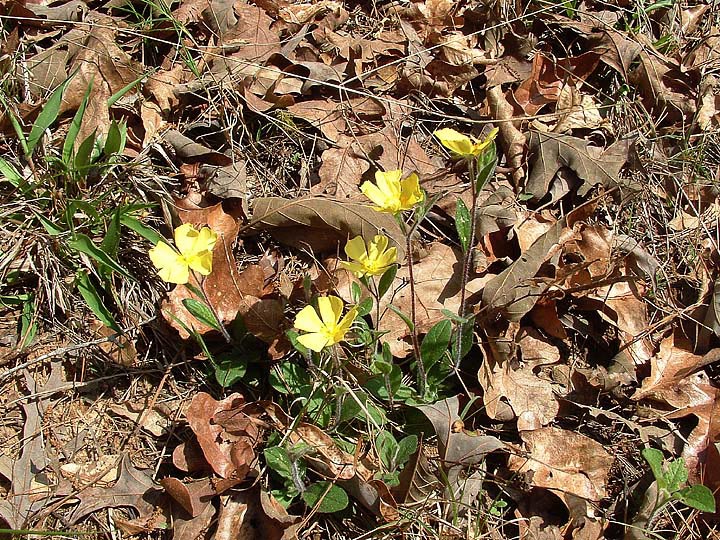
x=593, y=165
x=132, y=489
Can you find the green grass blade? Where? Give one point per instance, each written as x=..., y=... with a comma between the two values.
x=74, y=128
x=94, y=301
x=85, y=245
x=47, y=117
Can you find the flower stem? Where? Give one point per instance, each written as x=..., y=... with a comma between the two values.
x=467, y=261
x=421, y=376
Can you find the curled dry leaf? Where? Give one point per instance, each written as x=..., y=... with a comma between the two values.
x=565, y=462
x=458, y=449
x=225, y=432
x=513, y=390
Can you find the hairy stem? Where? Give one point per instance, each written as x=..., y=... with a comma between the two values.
x=467, y=261
x=415, y=342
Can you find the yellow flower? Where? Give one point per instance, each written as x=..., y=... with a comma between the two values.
x=463, y=145
x=391, y=194
x=194, y=252
x=327, y=329
x=372, y=260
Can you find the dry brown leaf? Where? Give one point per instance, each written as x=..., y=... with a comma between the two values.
x=98, y=60
x=593, y=165
x=161, y=86
x=565, y=462
x=322, y=224
x=669, y=90
x=515, y=391
x=458, y=449
x=514, y=291
x=130, y=490
x=226, y=434
x=614, y=48
x=669, y=370
x=511, y=138
x=151, y=420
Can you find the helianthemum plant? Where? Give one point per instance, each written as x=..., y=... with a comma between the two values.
x=328, y=327
x=194, y=252
x=394, y=194
x=481, y=157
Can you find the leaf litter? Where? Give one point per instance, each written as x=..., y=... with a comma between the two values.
x=590, y=287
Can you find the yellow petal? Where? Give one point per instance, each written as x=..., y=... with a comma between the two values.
x=389, y=183
x=331, y=308
x=344, y=325
x=353, y=266
x=162, y=255
x=387, y=258
x=355, y=248
x=170, y=264
x=307, y=320
x=455, y=141
x=315, y=341
x=411, y=192
x=185, y=237
x=206, y=239
x=372, y=192
x=201, y=262
x=380, y=243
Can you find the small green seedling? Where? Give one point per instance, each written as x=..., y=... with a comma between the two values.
x=671, y=479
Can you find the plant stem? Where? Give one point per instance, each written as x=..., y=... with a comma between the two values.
x=467, y=261
x=415, y=342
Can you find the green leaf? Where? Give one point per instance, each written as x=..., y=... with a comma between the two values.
x=406, y=448
x=387, y=280
x=278, y=460
x=49, y=226
x=148, y=233
x=654, y=458
x=46, y=117
x=28, y=324
x=365, y=307
x=404, y=317
x=112, y=237
x=74, y=128
x=116, y=138
x=387, y=448
x=436, y=342
x=94, y=300
x=124, y=90
x=202, y=313
x=466, y=340
x=10, y=174
x=463, y=224
x=355, y=292
x=16, y=125
x=699, y=497
x=230, y=368
x=676, y=474
x=83, y=244
x=325, y=497
x=84, y=152
x=288, y=378
x=485, y=167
